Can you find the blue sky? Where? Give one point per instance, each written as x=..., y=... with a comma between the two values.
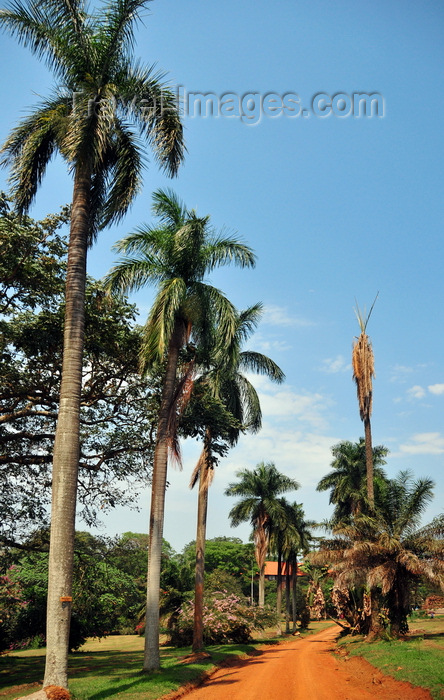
x=336, y=208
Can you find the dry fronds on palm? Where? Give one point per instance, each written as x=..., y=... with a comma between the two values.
x=363, y=365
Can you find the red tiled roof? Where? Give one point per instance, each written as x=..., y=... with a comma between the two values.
x=271, y=569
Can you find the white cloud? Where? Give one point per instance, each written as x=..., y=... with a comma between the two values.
x=425, y=444
x=335, y=364
x=436, y=389
x=279, y=316
x=416, y=392
x=287, y=404
x=268, y=346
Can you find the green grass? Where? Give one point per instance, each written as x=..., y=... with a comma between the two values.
x=418, y=659
x=110, y=668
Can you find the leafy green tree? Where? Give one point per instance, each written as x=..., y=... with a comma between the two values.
x=259, y=490
x=227, y=554
x=387, y=551
x=347, y=480
x=103, y=103
x=106, y=598
x=117, y=407
x=177, y=255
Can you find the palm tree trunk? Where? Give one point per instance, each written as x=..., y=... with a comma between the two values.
x=287, y=598
x=158, y=486
x=262, y=586
x=66, y=446
x=369, y=461
x=376, y=628
x=202, y=508
x=279, y=589
x=294, y=591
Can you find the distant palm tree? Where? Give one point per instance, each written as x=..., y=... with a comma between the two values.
x=363, y=373
x=177, y=255
x=259, y=490
x=103, y=103
x=297, y=538
x=225, y=383
x=347, y=481
x=388, y=551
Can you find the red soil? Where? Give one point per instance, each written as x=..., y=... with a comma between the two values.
x=304, y=669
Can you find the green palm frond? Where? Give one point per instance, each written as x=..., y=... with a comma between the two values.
x=225, y=250
x=117, y=20
x=261, y=364
x=162, y=321
x=30, y=147
x=125, y=175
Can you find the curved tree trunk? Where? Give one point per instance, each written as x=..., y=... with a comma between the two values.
x=202, y=508
x=369, y=462
x=66, y=446
x=158, y=486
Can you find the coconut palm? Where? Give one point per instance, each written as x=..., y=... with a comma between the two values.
x=176, y=255
x=363, y=373
x=387, y=551
x=103, y=103
x=225, y=383
x=259, y=490
x=347, y=481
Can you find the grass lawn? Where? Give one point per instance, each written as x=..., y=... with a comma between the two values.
x=110, y=668
x=419, y=658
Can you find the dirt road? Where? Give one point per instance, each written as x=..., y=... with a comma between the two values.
x=304, y=669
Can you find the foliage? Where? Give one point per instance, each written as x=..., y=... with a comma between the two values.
x=227, y=554
x=105, y=597
x=259, y=492
x=226, y=620
x=388, y=553
x=176, y=254
x=117, y=407
x=347, y=480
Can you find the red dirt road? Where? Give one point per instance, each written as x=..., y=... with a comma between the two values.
x=304, y=669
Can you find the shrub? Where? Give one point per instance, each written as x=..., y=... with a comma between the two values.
x=226, y=620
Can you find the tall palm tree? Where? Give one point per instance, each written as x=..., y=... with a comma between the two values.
x=347, y=480
x=176, y=255
x=259, y=490
x=226, y=383
x=387, y=551
x=104, y=100
x=297, y=537
x=363, y=373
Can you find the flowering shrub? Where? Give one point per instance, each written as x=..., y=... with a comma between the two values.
x=226, y=619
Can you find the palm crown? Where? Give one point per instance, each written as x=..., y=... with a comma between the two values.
x=177, y=255
x=101, y=94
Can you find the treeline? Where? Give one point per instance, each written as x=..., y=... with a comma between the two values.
x=110, y=585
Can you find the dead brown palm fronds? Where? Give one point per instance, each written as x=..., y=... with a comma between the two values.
x=363, y=373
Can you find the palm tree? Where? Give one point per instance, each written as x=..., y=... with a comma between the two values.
x=103, y=101
x=225, y=383
x=176, y=255
x=259, y=490
x=387, y=551
x=297, y=537
x=363, y=373
x=347, y=481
